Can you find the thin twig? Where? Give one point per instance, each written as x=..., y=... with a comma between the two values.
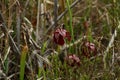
x=72, y=44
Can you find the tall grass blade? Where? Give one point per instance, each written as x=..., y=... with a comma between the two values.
x=70, y=15
x=22, y=62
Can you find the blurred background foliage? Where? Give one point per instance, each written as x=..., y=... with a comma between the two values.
x=28, y=51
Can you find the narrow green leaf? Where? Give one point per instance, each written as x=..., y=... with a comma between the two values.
x=22, y=62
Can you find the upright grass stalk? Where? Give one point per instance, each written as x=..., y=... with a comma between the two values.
x=70, y=15
x=55, y=12
x=22, y=62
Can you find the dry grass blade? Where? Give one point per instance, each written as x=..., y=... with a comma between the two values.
x=18, y=21
x=6, y=55
x=111, y=42
x=37, y=26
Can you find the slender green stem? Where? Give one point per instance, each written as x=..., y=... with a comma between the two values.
x=70, y=15
x=22, y=64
